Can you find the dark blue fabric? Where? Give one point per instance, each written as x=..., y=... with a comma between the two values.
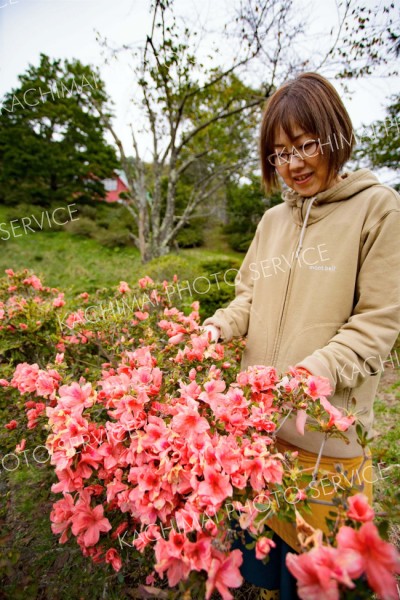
x=272, y=576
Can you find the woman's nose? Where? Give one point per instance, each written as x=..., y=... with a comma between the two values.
x=296, y=161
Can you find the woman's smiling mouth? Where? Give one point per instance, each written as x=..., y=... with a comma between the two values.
x=302, y=179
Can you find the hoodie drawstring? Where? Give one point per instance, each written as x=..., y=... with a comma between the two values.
x=303, y=229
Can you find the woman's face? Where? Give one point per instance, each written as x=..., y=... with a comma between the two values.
x=307, y=175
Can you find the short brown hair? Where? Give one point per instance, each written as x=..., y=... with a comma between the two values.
x=310, y=102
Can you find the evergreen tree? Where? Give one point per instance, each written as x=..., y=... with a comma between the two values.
x=52, y=146
x=379, y=147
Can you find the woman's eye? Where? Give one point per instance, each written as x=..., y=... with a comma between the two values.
x=310, y=148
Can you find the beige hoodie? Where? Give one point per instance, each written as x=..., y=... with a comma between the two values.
x=320, y=288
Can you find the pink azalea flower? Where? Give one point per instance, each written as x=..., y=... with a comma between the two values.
x=75, y=317
x=224, y=573
x=254, y=471
x=74, y=396
x=290, y=384
x=46, y=385
x=215, y=487
x=150, y=579
x=145, y=281
x=114, y=558
x=123, y=287
x=68, y=481
x=337, y=418
x=34, y=282
x=319, y=572
x=170, y=558
x=25, y=377
x=379, y=559
x=262, y=378
x=242, y=378
x=359, y=509
x=301, y=418
x=150, y=534
x=89, y=522
x=228, y=455
x=61, y=517
x=59, y=358
x=114, y=488
x=187, y=422
x=11, y=425
x=199, y=553
x=142, y=316
x=192, y=390
x=318, y=387
x=169, y=444
x=59, y=301
x=239, y=480
x=176, y=339
x=300, y=495
x=263, y=547
x=273, y=471
x=212, y=394
x=198, y=345
x=21, y=446
x=211, y=528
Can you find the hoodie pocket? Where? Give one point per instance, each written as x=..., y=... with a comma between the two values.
x=305, y=341
x=364, y=395
x=346, y=394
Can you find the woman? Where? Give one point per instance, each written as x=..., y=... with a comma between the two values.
x=319, y=286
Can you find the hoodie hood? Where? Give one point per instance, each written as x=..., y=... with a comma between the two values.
x=351, y=184
x=322, y=204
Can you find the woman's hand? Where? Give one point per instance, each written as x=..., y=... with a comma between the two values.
x=303, y=370
x=214, y=332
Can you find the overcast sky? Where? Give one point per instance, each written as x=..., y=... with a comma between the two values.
x=66, y=29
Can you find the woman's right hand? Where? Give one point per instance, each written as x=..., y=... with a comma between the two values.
x=214, y=332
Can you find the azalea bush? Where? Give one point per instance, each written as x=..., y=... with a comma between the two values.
x=28, y=322
x=165, y=453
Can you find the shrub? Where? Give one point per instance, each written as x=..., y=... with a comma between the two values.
x=165, y=267
x=111, y=238
x=246, y=206
x=192, y=235
x=83, y=226
x=240, y=242
x=159, y=443
x=28, y=318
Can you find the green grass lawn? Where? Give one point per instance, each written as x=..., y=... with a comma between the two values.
x=69, y=261
x=76, y=263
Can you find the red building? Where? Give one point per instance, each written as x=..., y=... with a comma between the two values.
x=114, y=186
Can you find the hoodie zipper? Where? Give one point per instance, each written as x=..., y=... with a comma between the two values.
x=284, y=306
x=286, y=296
